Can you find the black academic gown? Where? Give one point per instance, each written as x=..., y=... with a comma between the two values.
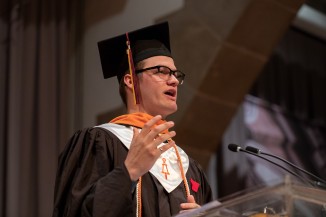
x=93, y=181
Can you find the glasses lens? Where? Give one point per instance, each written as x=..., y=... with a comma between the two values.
x=165, y=72
x=179, y=75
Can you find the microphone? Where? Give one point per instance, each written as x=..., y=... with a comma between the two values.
x=234, y=148
x=237, y=148
x=257, y=151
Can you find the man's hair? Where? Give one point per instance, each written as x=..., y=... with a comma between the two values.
x=122, y=85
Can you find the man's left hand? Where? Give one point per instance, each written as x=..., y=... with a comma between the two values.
x=191, y=204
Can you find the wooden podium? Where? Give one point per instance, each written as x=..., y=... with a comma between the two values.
x=285, y=199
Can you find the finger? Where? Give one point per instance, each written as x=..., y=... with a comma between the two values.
x=186, y=206
x=136, y=132
x=153, y=134
x=189, y=206
x=191, y=199
x=164, y=137
x=166, y=147
x=148, y=125
x=191, y=203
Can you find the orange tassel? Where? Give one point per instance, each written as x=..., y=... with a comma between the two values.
x=135, y=87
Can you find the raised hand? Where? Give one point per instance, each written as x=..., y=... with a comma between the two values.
x=143, y=150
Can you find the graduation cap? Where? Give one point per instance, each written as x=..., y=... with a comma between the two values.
x=122, y=52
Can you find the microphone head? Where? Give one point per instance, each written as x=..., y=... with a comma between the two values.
x=253, y=149
x=234, y=147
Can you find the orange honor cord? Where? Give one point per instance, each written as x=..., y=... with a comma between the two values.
x=138, y=195
x=135, y=88
x=185, y=183
x=139, y=184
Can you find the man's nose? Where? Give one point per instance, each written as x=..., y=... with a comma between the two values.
x=173, y=80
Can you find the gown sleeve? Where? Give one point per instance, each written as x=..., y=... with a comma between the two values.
x=91, y=177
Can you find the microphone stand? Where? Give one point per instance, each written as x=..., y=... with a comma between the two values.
x=320, y=183
x=255, y=152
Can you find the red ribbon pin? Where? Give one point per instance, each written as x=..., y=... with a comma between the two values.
x=194, y=185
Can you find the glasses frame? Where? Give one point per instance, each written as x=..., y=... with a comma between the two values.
x=180, y=77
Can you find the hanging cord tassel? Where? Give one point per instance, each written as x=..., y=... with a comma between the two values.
x=135, y=86
x=185, y=182
x=138, y=194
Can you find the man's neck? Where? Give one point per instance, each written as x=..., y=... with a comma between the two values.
x=136, y=109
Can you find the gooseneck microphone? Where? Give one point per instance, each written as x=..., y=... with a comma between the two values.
x=257, y=152
x=235, y=148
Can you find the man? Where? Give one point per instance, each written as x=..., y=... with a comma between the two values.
x=131, y=166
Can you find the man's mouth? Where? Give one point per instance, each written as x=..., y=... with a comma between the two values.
x=170, y=93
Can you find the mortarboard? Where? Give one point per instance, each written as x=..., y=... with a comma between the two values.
x=144, y=43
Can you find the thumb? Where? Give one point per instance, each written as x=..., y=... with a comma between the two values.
x=191, y=199
x=136, y=132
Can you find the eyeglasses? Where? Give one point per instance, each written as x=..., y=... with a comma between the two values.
x=165, y=72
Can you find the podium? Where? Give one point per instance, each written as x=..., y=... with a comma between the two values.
x=285, y=199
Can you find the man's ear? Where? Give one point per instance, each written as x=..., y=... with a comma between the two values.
x=127, y=80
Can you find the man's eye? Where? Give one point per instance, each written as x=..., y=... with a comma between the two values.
x=164, y=71
x=158, y=71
